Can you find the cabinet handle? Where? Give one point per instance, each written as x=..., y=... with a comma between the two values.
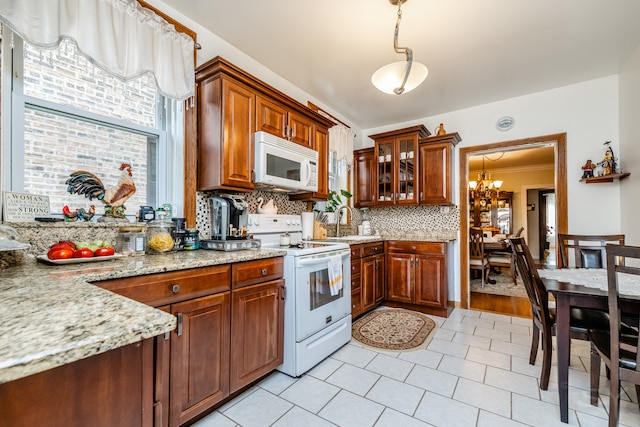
x=179, y=316
x=263, y=271
x=284, y=293
x=175, y=289
x=253, y=175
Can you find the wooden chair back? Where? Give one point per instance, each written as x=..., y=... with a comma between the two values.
x=627, y=351
x=588, y=250
x=476, y=244
x=536, y=291
x=519, y=232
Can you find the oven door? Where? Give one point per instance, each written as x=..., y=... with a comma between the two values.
x=315, y=307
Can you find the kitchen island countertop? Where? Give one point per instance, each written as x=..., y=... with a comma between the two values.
x=53, y=315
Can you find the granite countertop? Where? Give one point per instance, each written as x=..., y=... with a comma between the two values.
x=53, y=315
x=421, y=236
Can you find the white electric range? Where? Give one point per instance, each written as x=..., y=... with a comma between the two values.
x=316, y=323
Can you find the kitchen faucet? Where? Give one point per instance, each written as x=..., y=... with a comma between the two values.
x=340, y=209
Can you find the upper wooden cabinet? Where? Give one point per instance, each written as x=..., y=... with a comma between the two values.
x=396, y=156
x=436, y=166
x=276, y=119
x=322, y=147
x=231, y=106
x=364, y=194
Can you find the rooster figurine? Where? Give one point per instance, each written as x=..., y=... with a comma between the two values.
x=82, y=214
x=89, y=185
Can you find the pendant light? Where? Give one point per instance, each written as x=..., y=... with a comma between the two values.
x=403, y=76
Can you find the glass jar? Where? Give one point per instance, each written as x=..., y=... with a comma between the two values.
x=130, y=240
x=160, y=236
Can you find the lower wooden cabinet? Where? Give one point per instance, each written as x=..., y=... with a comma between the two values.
x=229, y=334
x=417, y=275
x=367, y=277
x=109, y=389
x=257, y=332
x=199, y=372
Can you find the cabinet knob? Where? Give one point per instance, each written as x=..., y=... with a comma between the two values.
x=175, y=289
x=413, y=248
x=264, y=271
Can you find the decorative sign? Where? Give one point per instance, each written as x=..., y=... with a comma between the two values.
x=25, y=207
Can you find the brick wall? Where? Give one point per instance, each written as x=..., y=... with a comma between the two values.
x=55, y=145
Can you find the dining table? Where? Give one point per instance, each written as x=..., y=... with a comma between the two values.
x=586, y=288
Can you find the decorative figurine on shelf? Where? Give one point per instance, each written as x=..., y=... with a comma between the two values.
x=81, y=214
x=89, y=185
x=609, y=161
x=587, y=170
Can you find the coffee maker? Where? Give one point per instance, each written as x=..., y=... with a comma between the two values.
x=229, y=216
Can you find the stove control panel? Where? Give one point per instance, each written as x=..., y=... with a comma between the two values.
x=273, y=223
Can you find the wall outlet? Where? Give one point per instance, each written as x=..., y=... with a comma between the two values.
x=444, y=209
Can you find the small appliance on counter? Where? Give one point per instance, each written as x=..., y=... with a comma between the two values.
x=229, y=217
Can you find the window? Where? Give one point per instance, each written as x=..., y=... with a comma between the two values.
x=66, y=115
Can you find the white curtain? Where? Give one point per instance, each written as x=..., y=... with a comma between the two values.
x=119, y=36
x=341, y=142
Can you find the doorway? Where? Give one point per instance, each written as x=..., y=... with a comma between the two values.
x=547, y=227
x=558, y=141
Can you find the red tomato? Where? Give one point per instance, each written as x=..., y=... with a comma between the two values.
x=67, y=245
x=60, y=253
x=83, y=253
x=105, y=251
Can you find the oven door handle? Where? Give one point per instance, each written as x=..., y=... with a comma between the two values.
x=319, y=258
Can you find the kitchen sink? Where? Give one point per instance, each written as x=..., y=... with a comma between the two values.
x=355, y=237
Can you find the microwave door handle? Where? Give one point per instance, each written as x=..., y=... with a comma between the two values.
x=308, y=171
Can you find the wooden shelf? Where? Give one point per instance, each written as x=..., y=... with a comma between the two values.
x=606, y=178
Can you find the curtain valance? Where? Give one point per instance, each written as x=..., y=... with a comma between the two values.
x=119, y=36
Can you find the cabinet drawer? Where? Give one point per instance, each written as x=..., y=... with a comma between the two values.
x=258, y=271
x=436, y=248
x=355, y=282
x=355, y=267
x=356, y=251
x=167, y=288
x=372, y=249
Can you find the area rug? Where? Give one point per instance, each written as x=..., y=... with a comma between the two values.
x=503, y=286
x=394, y=329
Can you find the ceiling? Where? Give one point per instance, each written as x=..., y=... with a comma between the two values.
x=519, y=158
x=477, y=52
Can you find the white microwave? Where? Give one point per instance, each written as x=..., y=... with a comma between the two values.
x=284, y=165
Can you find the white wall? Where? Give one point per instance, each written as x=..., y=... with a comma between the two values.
x=629, y=154
x=587, y=112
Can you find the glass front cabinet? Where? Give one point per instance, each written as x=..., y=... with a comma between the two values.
x=396, y=157
x=495, y=211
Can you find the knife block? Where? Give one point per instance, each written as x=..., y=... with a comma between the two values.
x=319, y=232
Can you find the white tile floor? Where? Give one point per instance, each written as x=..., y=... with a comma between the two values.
x=475, y=372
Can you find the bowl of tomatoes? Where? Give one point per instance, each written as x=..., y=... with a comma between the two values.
x=69, y=252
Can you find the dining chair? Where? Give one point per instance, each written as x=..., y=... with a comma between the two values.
x=477, y=258
x=544, y=317
x=617, y=346
x=505, y=259
x=588, y=250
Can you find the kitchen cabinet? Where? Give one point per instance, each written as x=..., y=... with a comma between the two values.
x=322, y=147
x=417, y=276
x=494, y=212
x=364, y=194
x=231, y=106
x=257, y=322
x=436, y=169
x=229, y=333
x=226, y=111
x=113, y=388
x=367, y=277
x=397, y=165
x=276, y=119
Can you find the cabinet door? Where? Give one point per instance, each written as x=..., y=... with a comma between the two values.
x=271, y=117
x=199, y=356
x=162, y=350
x=322, y=147
x=237, y=137
x=400, y=277
x=380, y=279
x=385, y=172
x=406, y=168
x=364, y=177
x=435, y=179
x=369, y=276
x=430, y=281
x=257, y=333
x=301, y=130
x=356, y=298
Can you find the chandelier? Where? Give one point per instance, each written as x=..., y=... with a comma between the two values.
x=483, y=185
x=403, y=76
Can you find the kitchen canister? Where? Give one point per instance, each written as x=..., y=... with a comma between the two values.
x=307, y=225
